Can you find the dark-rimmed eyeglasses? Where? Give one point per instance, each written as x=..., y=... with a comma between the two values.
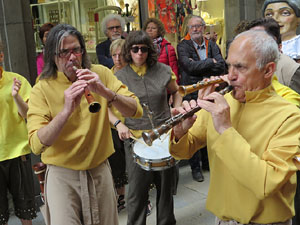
x=114, y=27
x=197, y=26
x=136, y=49
x=64, y=53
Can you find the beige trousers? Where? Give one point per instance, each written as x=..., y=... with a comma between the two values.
x=233, y=222
x=80, y=197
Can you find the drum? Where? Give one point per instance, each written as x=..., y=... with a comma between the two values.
x=155, y=157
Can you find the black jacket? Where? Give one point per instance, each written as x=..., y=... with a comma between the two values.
x=192, y=69
x=103, y=54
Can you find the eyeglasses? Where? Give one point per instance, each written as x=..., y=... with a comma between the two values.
x=64, y=53
x=197, y=26
x=114, y=27
x=136, y=49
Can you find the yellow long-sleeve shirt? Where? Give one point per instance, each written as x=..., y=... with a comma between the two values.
x=252, y=176
x=85, y=140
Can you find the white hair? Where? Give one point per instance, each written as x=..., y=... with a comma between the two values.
x=264, y=46
x=110, y=17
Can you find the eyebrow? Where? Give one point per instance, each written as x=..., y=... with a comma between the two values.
x=285, y=7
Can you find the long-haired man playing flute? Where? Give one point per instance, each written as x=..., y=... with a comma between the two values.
x=73, y=142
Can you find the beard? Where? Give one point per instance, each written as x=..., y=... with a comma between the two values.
x=115, y=37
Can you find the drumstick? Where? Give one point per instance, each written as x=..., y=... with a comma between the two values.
x=167, y=135
x=138, y=140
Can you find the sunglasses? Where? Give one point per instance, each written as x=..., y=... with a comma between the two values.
x=136, y=49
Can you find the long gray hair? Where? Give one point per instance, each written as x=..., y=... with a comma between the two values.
x=52, y=47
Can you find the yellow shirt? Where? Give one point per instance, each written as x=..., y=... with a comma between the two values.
x=141, y=71
x=286, y=92
x=13, y=132
x=252, y=174
x=85, y=140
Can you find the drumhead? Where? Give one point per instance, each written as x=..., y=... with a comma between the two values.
x=158, y=150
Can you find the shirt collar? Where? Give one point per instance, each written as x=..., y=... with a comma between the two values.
x=202, y=46
x=141, y=70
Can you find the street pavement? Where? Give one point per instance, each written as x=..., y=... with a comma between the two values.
x=189, y=203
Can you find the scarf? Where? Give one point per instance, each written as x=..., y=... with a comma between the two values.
x=157, y=44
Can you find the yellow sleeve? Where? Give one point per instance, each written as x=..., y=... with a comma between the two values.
x=38, y=116
x=25, y=88
x=112, y=82
x=193, y=140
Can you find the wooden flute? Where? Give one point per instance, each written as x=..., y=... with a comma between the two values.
x=94, y=106
x=185, y=90
x=152, y=135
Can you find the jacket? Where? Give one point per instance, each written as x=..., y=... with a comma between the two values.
x=103, y=54
x=170, y=58
x=192, y=69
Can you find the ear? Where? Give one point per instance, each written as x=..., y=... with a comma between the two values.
x=270, y=69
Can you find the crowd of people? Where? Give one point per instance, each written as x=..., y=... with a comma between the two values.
x=247, y=138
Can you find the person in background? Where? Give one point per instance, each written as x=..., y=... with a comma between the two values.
x=118, y=130
x=149, y=80
x=165, y=51
x=15, y=161
x=253, y=175
x=112, y=26
x=287, y=15
x=73, y=142
x=43, y=33
x=198, y=58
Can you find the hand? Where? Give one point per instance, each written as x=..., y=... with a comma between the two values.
x=16, y=87
x=73, y=95
x=123, y=131
x=182, y=128
x=93, y=81
x=216, y=104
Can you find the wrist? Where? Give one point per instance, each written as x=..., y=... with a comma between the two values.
x=117, y=123
x=112, y=99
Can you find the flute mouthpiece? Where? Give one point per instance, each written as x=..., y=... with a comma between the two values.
x=75, y=68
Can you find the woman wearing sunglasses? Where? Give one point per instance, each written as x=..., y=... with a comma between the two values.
x=149, y=80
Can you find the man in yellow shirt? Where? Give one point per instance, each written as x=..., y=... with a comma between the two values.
x=252, y=135
x=15, y=164
x=73, y=142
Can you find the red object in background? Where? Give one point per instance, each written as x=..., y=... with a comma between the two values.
x=96, y=17
x=166, y=13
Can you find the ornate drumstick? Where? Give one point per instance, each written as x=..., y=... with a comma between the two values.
x=185, y=90
x=93, y=105
x=152, y=135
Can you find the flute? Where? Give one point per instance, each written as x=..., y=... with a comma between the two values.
x=93, y=105
x=185, y=90
x=152, y=135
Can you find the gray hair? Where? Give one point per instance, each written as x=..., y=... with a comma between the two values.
x=294, y=4
x=55, y=37
x=198, y=17
x=264, y=47
x=110, y=17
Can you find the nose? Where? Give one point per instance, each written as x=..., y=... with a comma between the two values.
x=276, y=17
x=232, y=73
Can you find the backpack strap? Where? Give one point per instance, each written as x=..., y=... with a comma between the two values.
x=167, y=51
